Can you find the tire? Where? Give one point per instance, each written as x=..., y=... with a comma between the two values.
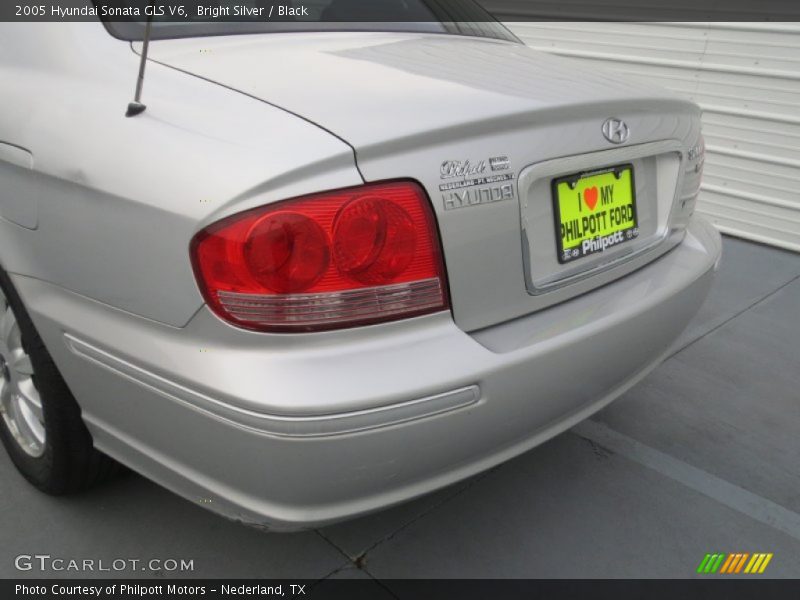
x=40, y=421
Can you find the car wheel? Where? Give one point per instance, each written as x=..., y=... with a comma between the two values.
x=40, y=421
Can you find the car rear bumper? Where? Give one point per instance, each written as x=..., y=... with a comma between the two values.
x=287, y=432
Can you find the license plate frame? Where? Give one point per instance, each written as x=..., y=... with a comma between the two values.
x=619, y=226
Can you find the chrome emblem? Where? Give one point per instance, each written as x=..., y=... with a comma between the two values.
x=616, y=131
x=451, y=169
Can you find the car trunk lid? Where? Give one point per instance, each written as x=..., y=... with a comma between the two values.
x=485, y=126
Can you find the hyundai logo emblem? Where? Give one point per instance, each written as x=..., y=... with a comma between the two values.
x=616, y=131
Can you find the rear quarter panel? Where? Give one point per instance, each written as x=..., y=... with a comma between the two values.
x=115, y=201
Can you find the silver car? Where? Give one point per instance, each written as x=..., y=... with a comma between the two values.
x=312, y=274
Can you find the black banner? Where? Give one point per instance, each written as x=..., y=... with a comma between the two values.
x=353, y=11
x=368, y=588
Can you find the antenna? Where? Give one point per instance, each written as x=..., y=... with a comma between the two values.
x=136, y=107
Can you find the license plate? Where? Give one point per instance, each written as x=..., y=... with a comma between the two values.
x=594, y=211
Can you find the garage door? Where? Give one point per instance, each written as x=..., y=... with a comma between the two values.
x=745, y=76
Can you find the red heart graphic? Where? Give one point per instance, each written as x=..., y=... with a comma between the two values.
x=590, y=197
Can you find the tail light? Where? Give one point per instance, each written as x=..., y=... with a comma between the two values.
x=331, y=260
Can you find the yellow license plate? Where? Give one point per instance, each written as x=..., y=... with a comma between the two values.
x=594, y=211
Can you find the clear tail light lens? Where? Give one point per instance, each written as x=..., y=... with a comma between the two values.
x=331, y=260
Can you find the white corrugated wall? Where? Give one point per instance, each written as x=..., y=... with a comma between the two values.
x=745, y=76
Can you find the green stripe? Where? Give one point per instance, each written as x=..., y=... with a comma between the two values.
x=702, y=566
x=718, y=563
x=710, y=563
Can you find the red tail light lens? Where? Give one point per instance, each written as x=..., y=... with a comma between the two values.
x=286, y=252
x=373, y=240
x=327, y=261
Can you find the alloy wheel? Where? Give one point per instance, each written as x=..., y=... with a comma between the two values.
x=20, y=402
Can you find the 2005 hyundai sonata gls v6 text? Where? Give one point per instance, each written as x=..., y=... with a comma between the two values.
x=327, y=271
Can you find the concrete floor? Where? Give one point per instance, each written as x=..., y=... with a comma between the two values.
x=702, y=456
